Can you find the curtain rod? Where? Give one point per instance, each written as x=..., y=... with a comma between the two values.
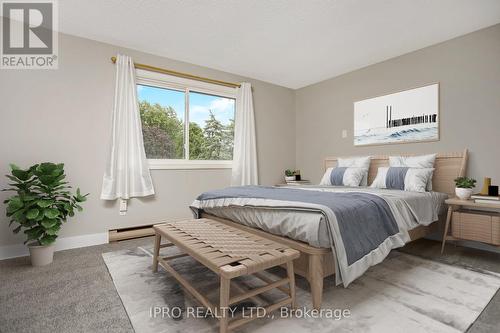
x=183, y=75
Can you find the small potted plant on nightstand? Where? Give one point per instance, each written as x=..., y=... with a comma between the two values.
x=464, y=186
x=289, y=175
x=42, y=203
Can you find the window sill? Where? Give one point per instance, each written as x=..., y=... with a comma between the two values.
x=188, y=165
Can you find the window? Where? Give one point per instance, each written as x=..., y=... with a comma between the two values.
x=185, y=123
x=162, y=116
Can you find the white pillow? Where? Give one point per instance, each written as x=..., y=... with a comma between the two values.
x=356, y=162
x=343, y=176
x=422, y=161
x=403, y=178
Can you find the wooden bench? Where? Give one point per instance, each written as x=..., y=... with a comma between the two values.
x=229, y=252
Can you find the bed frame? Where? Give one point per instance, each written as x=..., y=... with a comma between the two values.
x=317, y=263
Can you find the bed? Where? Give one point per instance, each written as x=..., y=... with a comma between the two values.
x=292, y=217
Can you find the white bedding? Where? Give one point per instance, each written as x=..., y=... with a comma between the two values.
x=310, y=227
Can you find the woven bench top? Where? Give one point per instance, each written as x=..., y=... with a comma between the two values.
x=224, y=249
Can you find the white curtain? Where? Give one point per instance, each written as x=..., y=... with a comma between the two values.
x=127, y=173
x=245, y=150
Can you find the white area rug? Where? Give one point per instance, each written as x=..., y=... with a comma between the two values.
x=402, y=294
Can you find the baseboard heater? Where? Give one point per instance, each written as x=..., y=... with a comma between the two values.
x=116, y=235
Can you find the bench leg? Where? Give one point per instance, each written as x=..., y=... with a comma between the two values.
x=156, y=252
x=224, y=304
x=291, y=278
x=315, y=278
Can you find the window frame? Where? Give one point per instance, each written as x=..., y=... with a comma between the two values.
x=160, y=80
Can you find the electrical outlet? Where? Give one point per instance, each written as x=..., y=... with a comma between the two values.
x=344, y=134
x=123, y=207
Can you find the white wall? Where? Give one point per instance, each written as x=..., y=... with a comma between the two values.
x=64, y=116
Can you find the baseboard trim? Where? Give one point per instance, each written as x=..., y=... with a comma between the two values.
x=64, y=243
x=131, y=233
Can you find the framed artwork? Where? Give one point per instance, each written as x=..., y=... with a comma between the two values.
x=402, y=117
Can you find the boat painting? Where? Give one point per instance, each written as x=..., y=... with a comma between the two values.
x=402, y=117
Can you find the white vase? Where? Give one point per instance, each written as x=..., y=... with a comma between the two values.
x=289, y=178
x=41, y=255
x=463, y=193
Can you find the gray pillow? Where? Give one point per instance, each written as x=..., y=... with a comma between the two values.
x=356, y=162
x=421, y=161
x=343, y=176
x=403, y=178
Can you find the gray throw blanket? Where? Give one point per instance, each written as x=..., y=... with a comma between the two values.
x=360, y=224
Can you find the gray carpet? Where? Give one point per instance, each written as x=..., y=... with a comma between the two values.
x=73, y=294
x=76, y=293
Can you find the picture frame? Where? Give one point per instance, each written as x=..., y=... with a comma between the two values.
x=406, y=116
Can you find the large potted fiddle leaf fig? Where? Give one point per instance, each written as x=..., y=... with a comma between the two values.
x=41, y=204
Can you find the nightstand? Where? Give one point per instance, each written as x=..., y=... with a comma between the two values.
x=471, y=221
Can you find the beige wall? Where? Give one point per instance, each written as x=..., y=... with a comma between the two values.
x=468, y=70
x=64, y=116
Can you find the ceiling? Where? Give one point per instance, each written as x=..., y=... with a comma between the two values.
x=292, y=43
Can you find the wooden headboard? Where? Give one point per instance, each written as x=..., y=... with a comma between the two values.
x=448, y=166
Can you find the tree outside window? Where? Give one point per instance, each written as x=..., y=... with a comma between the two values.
x=210, y=118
